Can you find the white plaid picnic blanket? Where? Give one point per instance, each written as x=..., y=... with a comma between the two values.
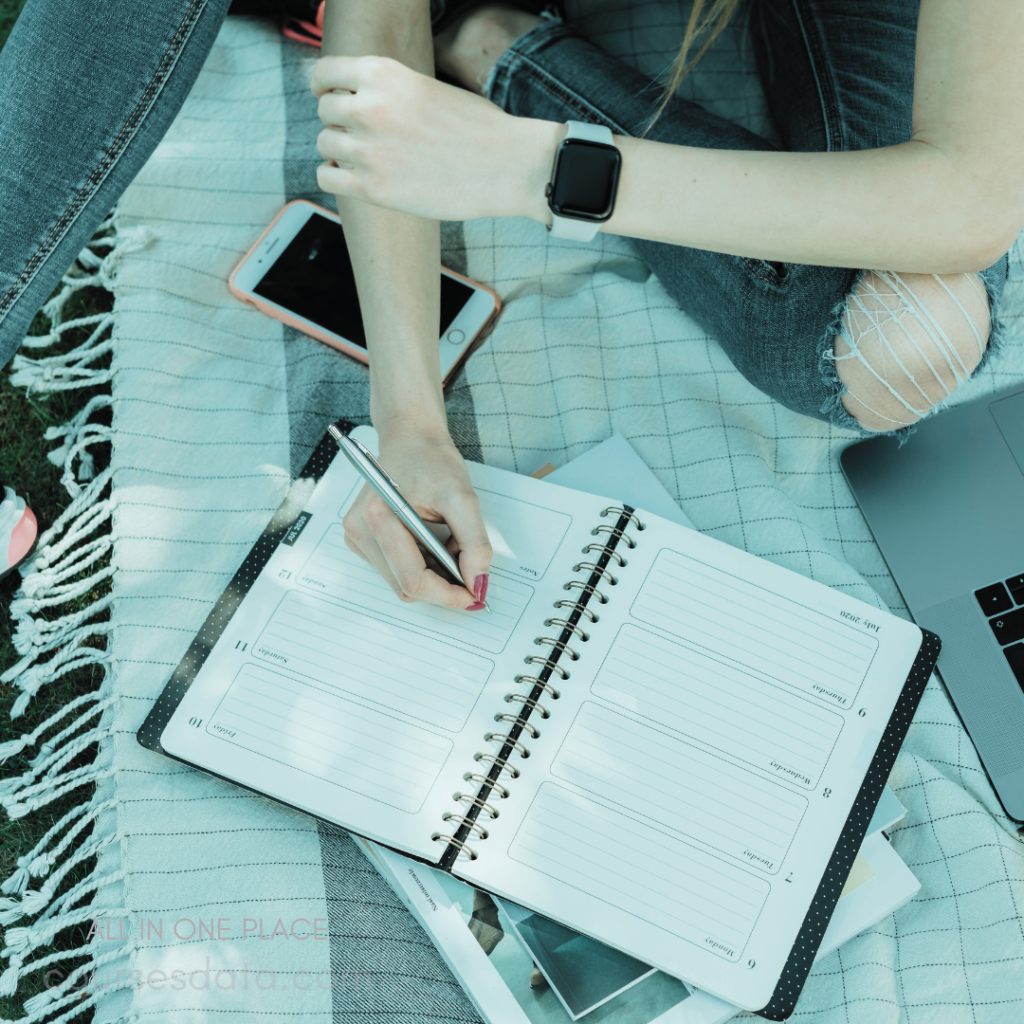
x=214, y=406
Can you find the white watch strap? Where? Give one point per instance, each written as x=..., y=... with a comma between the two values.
x=569, y=227
x=589, y=132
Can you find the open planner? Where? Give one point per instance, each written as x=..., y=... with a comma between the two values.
x=654, y=738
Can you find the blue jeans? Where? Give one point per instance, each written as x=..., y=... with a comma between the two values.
x=88, y=89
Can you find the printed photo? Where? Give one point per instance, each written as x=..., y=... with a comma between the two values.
x=557, y=975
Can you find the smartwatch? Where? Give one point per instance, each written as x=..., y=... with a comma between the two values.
x=585, y=177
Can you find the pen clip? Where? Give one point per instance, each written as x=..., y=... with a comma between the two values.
x=342, y=439
x=373, y=462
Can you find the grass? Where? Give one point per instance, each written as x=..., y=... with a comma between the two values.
x=24, y=466
x=9, y=11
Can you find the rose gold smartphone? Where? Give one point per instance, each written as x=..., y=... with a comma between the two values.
x=299, y=273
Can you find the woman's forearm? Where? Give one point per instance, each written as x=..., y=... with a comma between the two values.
x=397, y=267
x=907, y=208
x=395, y=256
x=949, y=200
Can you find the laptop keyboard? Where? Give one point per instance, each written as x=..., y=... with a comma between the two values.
x=1003, y=602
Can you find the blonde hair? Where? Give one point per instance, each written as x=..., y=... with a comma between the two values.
x=716, y=15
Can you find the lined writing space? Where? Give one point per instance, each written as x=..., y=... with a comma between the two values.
x=683, y=787
x=334, y=571
x=735, y=619
x=331, y=737
x=377, y=661
x=744, y=716
x=645, y=872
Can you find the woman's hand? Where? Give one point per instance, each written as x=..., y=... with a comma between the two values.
x=399, y=139
x=433, y=479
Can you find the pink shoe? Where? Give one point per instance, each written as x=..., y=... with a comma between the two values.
x=18, y=531
x=311, y=32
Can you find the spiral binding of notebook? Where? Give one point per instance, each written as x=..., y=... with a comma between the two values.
x=465, y=827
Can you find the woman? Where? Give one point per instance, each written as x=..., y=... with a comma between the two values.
x=760, y=246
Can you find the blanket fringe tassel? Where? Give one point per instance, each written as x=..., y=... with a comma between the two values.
x=70, y=562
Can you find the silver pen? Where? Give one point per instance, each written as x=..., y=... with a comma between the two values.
x=376, y=476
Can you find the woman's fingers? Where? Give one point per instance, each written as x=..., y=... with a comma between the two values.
x=467, y=525
x=435, y=481
x=360, y=541
x=338, y=174
x=336, y=146
x=374, y=532
x=339, y=181
x=383, y=568
x=407, y=564
x=335, y=110
x=338, y=73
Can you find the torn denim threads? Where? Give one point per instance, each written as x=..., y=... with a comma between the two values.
x=909, y=347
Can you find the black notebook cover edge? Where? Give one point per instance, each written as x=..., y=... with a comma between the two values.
x=808, y=940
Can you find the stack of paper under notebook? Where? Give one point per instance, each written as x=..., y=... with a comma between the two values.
x=496, y=949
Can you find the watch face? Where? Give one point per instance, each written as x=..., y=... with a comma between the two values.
x=584, y=178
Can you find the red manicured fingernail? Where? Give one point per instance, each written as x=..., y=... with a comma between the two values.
x=476, y=606
x=480, y=587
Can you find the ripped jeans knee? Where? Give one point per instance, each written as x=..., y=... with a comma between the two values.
x=907, y=341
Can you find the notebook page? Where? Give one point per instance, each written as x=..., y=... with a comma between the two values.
x=329, y=693
x=684, y=798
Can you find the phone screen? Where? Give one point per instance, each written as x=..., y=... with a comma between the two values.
x=313, y=278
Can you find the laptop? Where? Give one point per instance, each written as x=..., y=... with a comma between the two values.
x=947, y=511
